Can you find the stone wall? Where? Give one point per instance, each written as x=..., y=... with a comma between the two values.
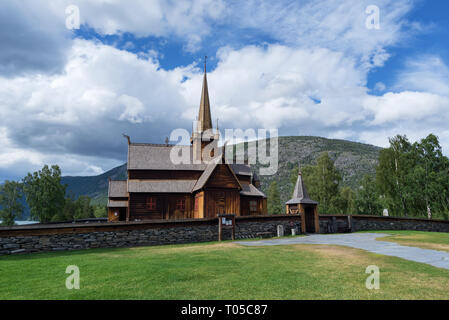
x=29, y=239
x=45, y=238
x=366, y=223
x=334, y=224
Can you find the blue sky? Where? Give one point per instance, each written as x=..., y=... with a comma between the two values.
x=302, y=67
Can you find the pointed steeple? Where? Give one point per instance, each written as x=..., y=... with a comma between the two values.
x=204, y=116
x=300, y=194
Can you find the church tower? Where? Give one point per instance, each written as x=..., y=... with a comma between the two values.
x=204, y=140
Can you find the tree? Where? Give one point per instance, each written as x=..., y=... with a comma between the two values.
x=367, y=200
x=392, y=174
x=346, y=200
x=100, y=211
x=83, y=208
x=323, y=181
x=44, y=193
x=274, y=205
x=429, y=183
x=75, y=209
x=11, y=208
x=413, y=179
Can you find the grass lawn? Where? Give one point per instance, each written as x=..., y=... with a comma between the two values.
x=219, y=271
x=421, y=239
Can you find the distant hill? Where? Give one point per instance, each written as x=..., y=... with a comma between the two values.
x=353, y=159
x=95, y=187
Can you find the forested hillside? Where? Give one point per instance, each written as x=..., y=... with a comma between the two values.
x=353, y=159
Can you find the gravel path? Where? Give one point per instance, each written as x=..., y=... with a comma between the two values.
x=365, y=241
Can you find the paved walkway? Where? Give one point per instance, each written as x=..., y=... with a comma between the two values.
x=365, y=241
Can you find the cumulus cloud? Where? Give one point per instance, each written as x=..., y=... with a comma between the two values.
x=189, y=21
x=279, y=86
x=83, y=111
x=333, y=24
x=33, y=38
x=426, y=73
x=310, y=80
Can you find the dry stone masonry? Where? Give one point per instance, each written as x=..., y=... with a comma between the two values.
x=30, y=239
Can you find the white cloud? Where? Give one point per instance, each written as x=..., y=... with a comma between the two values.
x=334, y=24
x=187, y=20
x=312, y=82
x=407, y=106
x=32, y=38
x=427, y=73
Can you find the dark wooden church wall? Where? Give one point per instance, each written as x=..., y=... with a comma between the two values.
x=245, y=206
x=221, y=201
x=166, y=206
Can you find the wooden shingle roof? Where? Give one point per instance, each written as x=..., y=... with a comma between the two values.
x=117, y=189
x=157, y=157
x=300, y=194
x=161, y=186
x=251, y=190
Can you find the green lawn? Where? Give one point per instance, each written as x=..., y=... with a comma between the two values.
x=421, y=239
x=219, y=271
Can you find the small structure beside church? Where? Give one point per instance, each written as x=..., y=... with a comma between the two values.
x=205, y=187
x=302, y=204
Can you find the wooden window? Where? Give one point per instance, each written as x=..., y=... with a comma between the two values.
x=151, y=203
x=253, y=205
x=181, y=204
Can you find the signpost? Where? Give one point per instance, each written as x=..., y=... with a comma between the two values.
x=226, y=221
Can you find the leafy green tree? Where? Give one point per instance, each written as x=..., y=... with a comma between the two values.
x=367, y=200
x=274, y=205
x=414, y=178
x=392, y=174
x=346, y=200
x=100, y=211
x=75, y=209
x=10, y=206
x=83, y=208
x=322, y=181
x=428, y=178
x=44, y=193
x=67, y=213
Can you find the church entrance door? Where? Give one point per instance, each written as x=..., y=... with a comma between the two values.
x=310, y=219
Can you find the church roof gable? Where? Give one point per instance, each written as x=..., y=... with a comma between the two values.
x=208, y=173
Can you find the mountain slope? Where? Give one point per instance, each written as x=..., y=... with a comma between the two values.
x=95, y=187
x=353, y=159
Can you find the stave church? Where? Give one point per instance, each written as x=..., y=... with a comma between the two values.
x=157, y=188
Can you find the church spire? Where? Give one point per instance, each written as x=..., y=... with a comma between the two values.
x=204, y=116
